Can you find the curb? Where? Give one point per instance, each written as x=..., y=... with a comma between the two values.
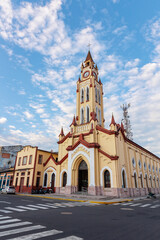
x=77, y=200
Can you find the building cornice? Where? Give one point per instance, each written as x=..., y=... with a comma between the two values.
x=107, y=155
x=104, y=130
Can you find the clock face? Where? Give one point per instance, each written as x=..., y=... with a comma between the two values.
x=94, y=74
x=86, y=74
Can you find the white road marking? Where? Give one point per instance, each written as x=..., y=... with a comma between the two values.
x=20, y=230
x=145, y=205
x=5, y=211
x=155, y=206
x=10, y=220
x=5, y=202
x=36, y=206
x=70, y=238
x=37, y=235
x=15, y=209
x=59, y=205
x=130, y=209
x=68, y=205
x=1, y=218
x=15, y=225
x=27, y=208
x=135, y=204
x=48, y=205
x=128, y=203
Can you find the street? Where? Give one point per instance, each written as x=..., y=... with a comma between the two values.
x=23, y=217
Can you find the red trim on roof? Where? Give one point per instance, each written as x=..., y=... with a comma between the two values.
x=63, y=139
x=107, y=155
x=57, y=163
x=105, y=130
x=50, y=157
x=85, y=143
x=63, y=159
x=135, y=144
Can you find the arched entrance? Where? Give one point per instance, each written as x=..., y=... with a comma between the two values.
x=52, y=181
x=83, y=177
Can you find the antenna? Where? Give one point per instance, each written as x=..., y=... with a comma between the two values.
x=126, y=122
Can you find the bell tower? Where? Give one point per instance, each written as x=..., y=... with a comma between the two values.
x=89, y=95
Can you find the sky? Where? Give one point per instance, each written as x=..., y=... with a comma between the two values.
x=42, y=46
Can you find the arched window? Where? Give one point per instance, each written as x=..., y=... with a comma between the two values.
x=45, y=180
x=82, y=115
x=154, y=181
x=124, y=185
x=99, y=97
x=97, y=114
x=158, y=181
x=64, y=179
x=151, y=181
x=146, y=180
x=141, y=180
x=82, y=95
x=135, y=180
x=96, y=94
x=107, y=181
x=87, y=94
x=87, y=114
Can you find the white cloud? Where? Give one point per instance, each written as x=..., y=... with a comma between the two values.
x=3, y=120
x=22, y=92
x=28, y=115
x=115, y=1
x=120, y=30
x=11, y=126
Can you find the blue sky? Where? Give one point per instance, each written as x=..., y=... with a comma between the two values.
x=42, y=45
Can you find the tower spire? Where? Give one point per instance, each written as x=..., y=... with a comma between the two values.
x=112, y=120
x=89, y=57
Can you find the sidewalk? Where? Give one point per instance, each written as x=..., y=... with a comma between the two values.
x=83, y=198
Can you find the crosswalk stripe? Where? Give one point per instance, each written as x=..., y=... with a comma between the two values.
x=135, y=204
x=68, y=205
x=36, y=206
x=27, y=208
x=48, y=205
x=70, y=238
x=15, y=209
x=116, y=204
x=59, y=204
x=37, y=235
x=20, y=230
x=1, y=218
x=145, y=205
x=155, y=206
x=15, y=225
x=128, y=203
x=5, y=211
x=10, y=220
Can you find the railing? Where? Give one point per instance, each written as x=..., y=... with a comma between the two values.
x=82, y=128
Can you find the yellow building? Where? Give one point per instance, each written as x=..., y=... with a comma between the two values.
x=31, y=169
x=97, y=160
x=91, y=158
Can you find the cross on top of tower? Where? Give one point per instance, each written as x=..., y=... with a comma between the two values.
x=89, y=44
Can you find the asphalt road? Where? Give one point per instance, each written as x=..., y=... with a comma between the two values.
x=23, y=217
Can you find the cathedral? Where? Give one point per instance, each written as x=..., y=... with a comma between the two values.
x=91, y=158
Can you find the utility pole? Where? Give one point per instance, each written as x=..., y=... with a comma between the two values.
x=126, y=122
